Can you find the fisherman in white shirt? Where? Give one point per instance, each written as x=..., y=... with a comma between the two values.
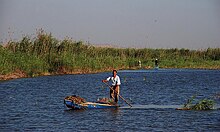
x=115, y=85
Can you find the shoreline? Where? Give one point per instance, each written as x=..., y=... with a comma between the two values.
x=20, y=74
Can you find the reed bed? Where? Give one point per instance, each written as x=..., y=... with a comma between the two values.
x=46, y=54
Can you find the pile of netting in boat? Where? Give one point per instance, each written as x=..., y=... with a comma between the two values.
x=75, y=99
x=105, y=101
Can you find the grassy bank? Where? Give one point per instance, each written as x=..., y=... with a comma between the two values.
x=45, y=54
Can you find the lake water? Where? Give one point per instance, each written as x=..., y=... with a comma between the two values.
x=36, y=104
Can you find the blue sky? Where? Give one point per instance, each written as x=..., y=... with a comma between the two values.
x=193, y=24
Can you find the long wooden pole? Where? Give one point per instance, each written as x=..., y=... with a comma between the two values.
x=118, y=94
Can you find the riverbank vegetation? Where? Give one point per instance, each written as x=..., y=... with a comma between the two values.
x=45, y=54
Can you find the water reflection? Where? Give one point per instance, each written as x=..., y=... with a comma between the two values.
x=152, y=106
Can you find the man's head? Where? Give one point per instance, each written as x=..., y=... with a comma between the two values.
x=114, y=72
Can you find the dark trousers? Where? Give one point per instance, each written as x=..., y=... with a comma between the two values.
x=114, y=93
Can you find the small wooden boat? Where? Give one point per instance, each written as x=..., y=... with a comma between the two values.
x=76, y=102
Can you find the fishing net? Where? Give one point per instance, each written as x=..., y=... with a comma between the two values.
x=105, y=101
x=76, y=99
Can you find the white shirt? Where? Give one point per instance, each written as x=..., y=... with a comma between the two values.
x=115, y=81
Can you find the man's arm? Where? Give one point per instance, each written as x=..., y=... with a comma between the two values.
x=105, y=81
x=118, y=81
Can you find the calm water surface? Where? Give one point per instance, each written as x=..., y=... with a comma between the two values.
x=36, y=104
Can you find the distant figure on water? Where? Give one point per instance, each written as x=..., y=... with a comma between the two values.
x=139, y=63
x=115, y=79
x=156, y=64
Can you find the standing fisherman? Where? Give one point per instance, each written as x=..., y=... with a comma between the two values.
x=115, y=85
x=156, y=63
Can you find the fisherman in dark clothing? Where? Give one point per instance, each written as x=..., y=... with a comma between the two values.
x=156, y=63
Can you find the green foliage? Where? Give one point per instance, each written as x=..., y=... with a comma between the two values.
x=44, y=53
x=204, y=104
x=6, y=65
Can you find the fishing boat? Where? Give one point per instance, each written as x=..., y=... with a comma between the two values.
x=76, y=102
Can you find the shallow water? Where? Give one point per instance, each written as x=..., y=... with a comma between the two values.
x=36, y=104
